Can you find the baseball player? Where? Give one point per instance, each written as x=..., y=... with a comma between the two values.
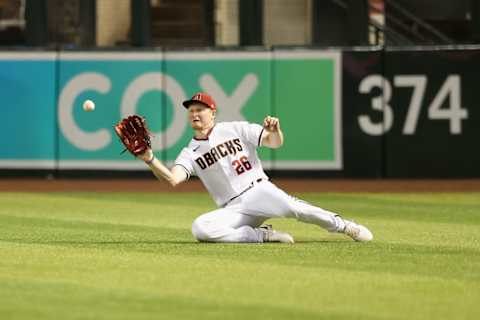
x=224, y=157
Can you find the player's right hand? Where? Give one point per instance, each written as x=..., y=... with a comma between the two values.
x=271, y=124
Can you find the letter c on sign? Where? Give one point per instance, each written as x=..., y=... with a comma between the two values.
x=84, y=81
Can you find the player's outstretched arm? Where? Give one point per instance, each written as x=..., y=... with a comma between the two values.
x=272, y=136
x=174, y=176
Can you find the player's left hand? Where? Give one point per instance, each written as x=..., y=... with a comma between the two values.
x=134, y=134
x=271, y=124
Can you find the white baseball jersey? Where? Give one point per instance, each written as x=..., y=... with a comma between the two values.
x=226, y=161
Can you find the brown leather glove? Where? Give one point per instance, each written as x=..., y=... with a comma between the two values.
x=134, y=134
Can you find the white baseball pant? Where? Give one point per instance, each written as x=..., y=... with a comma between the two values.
x=239, y=220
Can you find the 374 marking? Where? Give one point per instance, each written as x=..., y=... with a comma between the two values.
x=451, y=90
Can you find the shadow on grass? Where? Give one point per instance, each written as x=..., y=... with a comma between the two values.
x=93, y=242
x=176, y=242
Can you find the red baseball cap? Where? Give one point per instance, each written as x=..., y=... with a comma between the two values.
x=201, y=97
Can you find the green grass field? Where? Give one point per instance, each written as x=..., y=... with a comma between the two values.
x=132, y=256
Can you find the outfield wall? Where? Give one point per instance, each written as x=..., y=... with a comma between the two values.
x=352, y=113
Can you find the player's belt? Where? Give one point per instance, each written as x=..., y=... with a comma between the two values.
x=252, y=184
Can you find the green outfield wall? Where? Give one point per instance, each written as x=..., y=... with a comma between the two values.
x=363, y=112
x=301, y=87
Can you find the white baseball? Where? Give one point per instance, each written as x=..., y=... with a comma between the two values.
x=88, y=105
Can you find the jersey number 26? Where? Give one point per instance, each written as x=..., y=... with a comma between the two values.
x=241, y=165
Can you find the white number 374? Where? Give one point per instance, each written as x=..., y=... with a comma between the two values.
x=450, y=89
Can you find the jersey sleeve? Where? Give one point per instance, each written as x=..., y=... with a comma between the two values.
x=252, y=133
x=185, y=161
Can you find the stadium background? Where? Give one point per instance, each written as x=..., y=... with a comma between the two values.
x=383, y=100
x=379, y=104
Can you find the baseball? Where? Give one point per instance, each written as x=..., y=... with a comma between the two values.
x=88, y=105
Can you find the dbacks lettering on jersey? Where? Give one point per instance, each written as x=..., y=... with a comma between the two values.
x=216, y=153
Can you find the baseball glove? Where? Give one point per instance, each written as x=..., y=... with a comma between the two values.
x=134, y=134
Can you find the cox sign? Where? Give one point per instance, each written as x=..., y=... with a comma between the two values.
x=301, y=87
x=152, y=85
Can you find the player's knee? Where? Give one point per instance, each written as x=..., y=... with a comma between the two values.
x=199, y=230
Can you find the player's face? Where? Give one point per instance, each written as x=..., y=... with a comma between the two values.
x=200, y=116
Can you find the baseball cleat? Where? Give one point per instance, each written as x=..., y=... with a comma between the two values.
x=271, y=235
x=357, y=232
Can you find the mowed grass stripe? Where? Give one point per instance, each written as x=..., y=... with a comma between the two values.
x=221, y=280
x=124, y=256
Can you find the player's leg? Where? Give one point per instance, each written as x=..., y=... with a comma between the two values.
x=230, y=225
x=224, y=225
x=274, y=202
x=308, y=213
x=328, y=220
